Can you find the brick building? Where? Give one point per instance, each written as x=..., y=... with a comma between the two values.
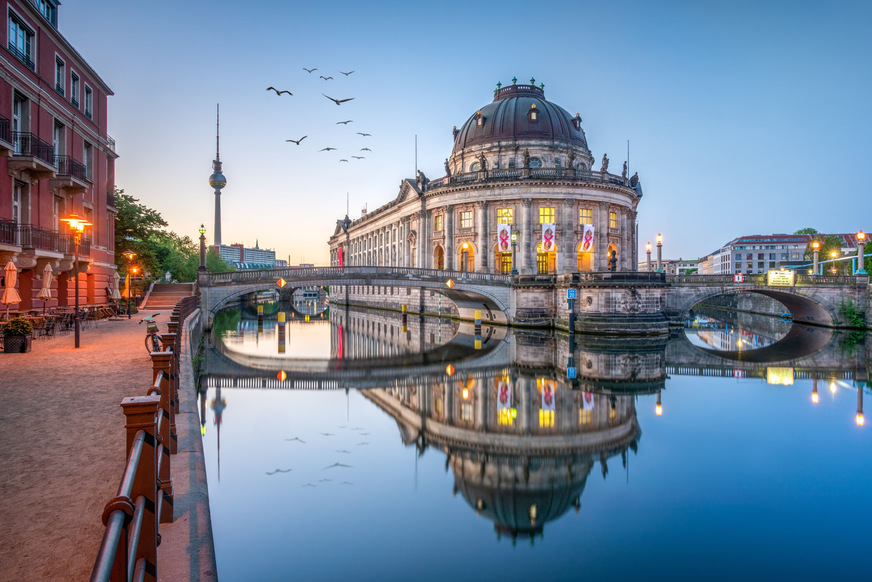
x=56, y=158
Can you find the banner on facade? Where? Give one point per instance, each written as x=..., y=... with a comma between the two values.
x=549, y=387
x=587, y=401
x=504, y=238
x=549, y=236
x=587, y=239
x=504, y=394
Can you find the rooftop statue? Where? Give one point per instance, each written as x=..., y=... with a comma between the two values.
x=605, y=167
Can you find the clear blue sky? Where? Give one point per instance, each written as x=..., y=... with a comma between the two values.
x=743, y=117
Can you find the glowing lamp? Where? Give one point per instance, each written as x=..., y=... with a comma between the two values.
x=76, y=222
x=129, y=255
x=659, y=239
x=202, y=230
x=658, y=410
x=815, y=245
x=861, y=236
x=814, y=397
x=648, y=247
x=514, y=236
x=465, y=393
x=466, y=245
x=860, y=420
x=832, y=387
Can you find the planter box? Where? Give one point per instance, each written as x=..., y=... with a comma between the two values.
x=17, y=344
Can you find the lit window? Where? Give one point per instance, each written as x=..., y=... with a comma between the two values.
x=546, y=418
x=60, y=78
x=466, y=219
x=585, y=216
x=585, y=416
x=546, y=215
x=89, y=102
x=533, y=114
x=466, y=411
x=438, y=226
x=21, y=41
x=504, y=215
x=613, y=220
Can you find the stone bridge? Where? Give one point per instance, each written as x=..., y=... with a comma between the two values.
x=607, y=303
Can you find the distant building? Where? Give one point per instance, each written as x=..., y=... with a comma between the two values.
x=256, y=258
x=670, y=266
x=755, y=254
x=56, y=159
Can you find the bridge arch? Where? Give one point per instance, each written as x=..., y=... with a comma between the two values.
x=818, y=310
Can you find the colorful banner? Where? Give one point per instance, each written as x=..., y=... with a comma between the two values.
x=504, y=394
x=587, y=401
x=548, y=394
x=587, y=239
x=504, y=238
x=549, y=238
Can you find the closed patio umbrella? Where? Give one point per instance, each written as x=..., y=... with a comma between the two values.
x=10, y=294
x=116, y=294
x=45, y=292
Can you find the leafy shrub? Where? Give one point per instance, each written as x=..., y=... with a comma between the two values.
x=18, y=326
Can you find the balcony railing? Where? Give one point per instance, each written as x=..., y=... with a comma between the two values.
x=28, y=236
x=5, y=132
x=27, y=144
x=67, y=166
x=74, y=102
x=21, y=56
x=59, y=88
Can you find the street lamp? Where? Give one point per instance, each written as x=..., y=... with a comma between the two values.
x=834, y=254
x=648, y=251
x=514, y=241
x=659, y=253
x=131, y=273
x=129, y=255
x=202, y=266
x=77, y=225
x=861, y=247
x=816, y=249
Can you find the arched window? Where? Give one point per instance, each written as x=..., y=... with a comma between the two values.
x=535, y=163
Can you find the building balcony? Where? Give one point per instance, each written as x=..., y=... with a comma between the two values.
x=71, y=175
x=27, y=243
x=21, y=56
x=6, y=147
x=33, y=155
x=60, y=89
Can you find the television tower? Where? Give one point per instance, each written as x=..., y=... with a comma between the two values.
x=217, y=179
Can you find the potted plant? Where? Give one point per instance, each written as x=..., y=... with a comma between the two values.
x=18, y=336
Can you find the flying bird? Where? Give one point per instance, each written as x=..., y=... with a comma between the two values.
x=359, y=157
x=337, y=465
x=365, y=150
x=297, y=141
x=326, y=149
x=326, y=78
x=361, y=444
x=343, y=160
x=344, y=451
x=364, y=134
x=297, y=439
x=278, y=471
x=324, y=480
x=337, y=101
x=279, y=92
x=327, y=433
x=308, y=485
x=344, y=123
x=309, y=70
x=346, y=74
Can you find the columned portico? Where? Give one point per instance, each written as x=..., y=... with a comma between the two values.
x=526, y=244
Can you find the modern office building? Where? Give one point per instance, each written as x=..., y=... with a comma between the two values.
x=242, y=257
x=56, y=158
x=520, y=191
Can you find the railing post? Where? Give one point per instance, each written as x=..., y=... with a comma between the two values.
x=163, y=362
x=140, y=413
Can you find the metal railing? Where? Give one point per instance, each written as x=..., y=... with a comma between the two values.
x=67, y=166
x=21, y=56
x=28, y=236
x=5, y=130
x=759, y=280
x=28, y=144
x=144, y=500
x=340, y=273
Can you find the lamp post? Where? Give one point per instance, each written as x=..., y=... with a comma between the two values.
x=816, y=249
x=861, y=247
x=129, y=255
x=648, y=251
x=659, y=253
x=77, y=225
x=834, y=254
x=202, y=266
x=514, y=242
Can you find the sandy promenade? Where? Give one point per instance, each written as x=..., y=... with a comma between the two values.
x=62, y=446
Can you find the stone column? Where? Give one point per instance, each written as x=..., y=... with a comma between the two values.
x=602, y=237
x=570, y=261
x=407, y=246
x=525, y=239
x=624, y=251
x=482, y=237
x=448, y=219
x=423, y=236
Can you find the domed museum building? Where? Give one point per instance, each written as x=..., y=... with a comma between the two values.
x=519, y=192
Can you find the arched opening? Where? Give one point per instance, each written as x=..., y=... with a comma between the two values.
x=502, y=260
x=546, y=263
x=612, y=257
x=466, y=257
x=439, y=258
x=584, y=259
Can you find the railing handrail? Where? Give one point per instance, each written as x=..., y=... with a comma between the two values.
x=338, y=273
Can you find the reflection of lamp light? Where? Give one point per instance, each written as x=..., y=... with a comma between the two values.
x=648, y=251
x=814, y=395
x=860, y=420
x=658, y=409
x=833, y=386
x=465, y=393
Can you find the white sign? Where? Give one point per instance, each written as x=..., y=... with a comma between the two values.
x=738, y=278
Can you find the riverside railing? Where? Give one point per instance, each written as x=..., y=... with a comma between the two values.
x=145, y=495
x=340, y=273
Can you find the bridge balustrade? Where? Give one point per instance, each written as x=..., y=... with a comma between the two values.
x=339, y=273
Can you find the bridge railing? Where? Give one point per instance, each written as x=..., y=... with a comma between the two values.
x=760, y=279
x=339, y=273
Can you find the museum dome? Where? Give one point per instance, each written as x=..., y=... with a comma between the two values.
x=520, y=112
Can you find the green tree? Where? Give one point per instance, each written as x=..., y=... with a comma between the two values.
x=806, y=230
x=829, y=244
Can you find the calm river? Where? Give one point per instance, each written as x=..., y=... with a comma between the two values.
x=352, y=448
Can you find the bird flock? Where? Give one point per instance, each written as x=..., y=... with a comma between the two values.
x=339, y=102
x=349, y=433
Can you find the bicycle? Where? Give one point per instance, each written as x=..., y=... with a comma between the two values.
x=153, y=340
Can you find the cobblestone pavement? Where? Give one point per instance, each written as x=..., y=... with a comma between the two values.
x=62, y=445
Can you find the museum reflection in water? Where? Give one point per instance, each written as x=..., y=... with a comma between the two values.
x=524, y=418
